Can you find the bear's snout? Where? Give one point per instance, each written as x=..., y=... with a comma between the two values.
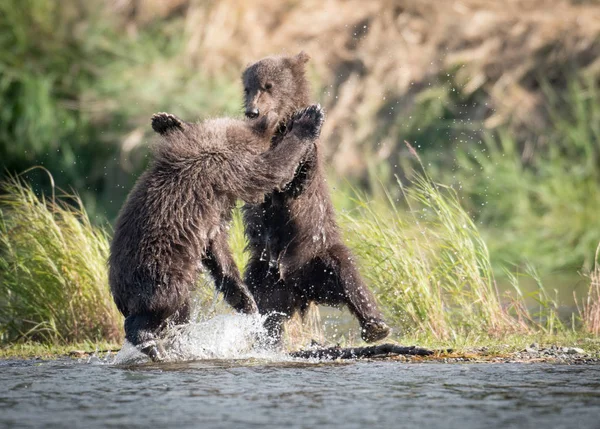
x=252, y=112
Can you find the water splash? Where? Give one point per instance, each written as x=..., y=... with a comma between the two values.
x=224, y=337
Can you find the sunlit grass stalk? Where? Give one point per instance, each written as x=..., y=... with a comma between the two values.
x=544, y=316
x=53, y=275
x=589, y=309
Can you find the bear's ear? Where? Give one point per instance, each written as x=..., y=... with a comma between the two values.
x=302, y=57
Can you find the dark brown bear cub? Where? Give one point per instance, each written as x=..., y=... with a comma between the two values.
x=297, y=254
x=176, y=217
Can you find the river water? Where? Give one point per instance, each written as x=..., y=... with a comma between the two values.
x=217, y=379
x=266, y=393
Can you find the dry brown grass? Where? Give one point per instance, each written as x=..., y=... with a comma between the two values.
x=302, y=331
x=589, y=310
x=372, y=59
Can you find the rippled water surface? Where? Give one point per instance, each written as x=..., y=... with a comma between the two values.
x=265, y=393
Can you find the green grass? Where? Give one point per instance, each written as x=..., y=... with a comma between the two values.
x=53, y=274
x=430, y=268
x=423, y=257
x=589, y=306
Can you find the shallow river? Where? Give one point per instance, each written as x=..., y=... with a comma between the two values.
x=265, y=393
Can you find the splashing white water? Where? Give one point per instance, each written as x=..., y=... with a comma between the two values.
x=222, y=337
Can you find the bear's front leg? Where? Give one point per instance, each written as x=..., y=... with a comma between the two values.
x=222, y=268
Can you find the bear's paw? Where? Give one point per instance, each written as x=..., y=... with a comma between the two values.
x=307, y=123
x=164, y=122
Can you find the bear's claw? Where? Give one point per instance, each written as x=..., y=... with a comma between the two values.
x=163, y=122
x=153, y=351
x=374, y=330
x=307, y=122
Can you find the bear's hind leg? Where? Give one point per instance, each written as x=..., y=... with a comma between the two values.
x=255, y=276
x=140, y=330
x=349, y=288
x=183, y=314
x=274, y=325
x=273, y=298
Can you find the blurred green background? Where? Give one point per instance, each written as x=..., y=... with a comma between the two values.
x=499, y=98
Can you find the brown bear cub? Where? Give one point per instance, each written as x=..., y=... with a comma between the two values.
x=176, y=217
x=297, y=255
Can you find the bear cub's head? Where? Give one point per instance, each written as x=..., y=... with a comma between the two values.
x=276, y=85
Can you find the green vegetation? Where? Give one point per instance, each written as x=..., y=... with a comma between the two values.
x=77, y=96
x=53, y=275
x=590, y=304
x=51, y=61
x=431, y=269
x=423, y=257
x=484, y=345
x=536, y=199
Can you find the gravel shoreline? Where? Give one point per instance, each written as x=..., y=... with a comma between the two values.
x=532, y=354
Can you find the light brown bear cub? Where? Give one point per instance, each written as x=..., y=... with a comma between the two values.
x=175, y=219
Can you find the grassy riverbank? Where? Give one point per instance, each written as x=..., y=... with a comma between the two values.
x=569, y=348
x=422, y=255
x=30, y=350
x=466, y=243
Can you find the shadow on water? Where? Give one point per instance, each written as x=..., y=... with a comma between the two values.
x=224, y=364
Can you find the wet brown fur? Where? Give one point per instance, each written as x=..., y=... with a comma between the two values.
x=297, y=255
x=175, y=219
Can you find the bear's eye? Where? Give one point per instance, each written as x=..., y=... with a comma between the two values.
x=268, y=85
